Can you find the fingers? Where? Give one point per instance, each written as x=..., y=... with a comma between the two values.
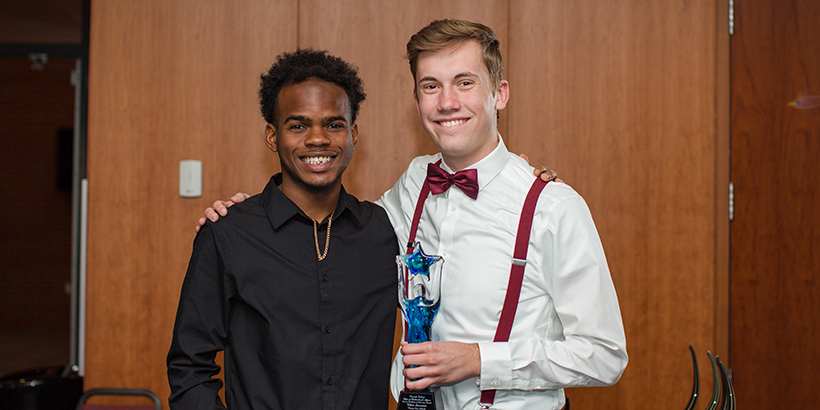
x=526, y=158
x=546, y=173
x=220, y=208
x=439, y=363
x=417, y=383
x=211, y=214
x=239, y=197
x=201, y=222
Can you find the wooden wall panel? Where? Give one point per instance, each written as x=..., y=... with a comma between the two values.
x=372, y=34
x=620, y=98
x=776, y=230
x=168, y=81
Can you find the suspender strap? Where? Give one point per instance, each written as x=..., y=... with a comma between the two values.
x=519, y=262
x=414, y=226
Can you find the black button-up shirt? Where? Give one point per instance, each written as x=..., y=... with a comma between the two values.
x=298, y=333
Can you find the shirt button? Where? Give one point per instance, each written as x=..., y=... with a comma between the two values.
x=327, y=329
x=453, y=208
x=325, y=278
x=544, y=386
x=329, y=381
x=444, y=252
x=495, y=383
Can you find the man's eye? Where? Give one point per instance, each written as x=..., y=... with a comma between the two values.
x=336, y=126
x=297, y=127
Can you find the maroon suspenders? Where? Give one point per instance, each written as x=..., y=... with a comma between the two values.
x=519, y=262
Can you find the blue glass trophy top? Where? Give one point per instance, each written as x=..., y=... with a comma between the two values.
x=418, y=262
x=419, y=291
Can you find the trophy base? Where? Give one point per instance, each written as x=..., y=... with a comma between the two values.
x=416, y=400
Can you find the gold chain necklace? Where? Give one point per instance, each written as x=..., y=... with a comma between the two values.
x=327, y=240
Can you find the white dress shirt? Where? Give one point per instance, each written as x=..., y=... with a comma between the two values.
x=567, y=330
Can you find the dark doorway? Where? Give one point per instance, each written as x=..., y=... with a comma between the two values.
x=36, y=134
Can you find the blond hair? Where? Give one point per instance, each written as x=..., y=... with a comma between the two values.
x=441, y=34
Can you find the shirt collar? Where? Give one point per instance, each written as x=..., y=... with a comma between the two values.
x=280, y=208
x=488, y=167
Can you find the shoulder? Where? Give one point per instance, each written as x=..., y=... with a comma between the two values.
x=418, y=166
x=369, y=214
x=240, y=216
x=409, y=183
x=519, y=173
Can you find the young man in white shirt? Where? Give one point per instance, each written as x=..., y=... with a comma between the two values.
x=567, y=330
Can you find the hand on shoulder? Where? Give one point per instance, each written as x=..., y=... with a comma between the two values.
x=220, y=208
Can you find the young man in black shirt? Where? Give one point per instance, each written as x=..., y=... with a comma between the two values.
x=297, y=286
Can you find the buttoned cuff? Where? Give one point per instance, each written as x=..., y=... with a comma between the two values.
x=496, y=366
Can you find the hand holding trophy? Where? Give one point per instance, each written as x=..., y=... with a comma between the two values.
x=419, y=299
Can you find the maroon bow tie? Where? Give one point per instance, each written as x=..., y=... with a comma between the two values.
x=440, y=180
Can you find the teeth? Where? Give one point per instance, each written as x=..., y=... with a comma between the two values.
x=452, y=123
x=316, y=160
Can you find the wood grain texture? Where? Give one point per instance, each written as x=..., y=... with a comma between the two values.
x=722, y=178
x=620, y=98
x=168, y=81
x=776, y=230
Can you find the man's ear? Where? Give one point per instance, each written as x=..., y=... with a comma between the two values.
x=270, y=137
x=416, y=99
x=354, y=131
x=502, y=95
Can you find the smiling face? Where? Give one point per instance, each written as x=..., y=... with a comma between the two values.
x=313, y=135
x=457, y=103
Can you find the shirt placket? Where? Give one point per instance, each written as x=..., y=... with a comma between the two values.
x=452, y=212
x=326, y=327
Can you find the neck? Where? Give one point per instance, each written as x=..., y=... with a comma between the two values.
x=457, y=163
x=316, y=205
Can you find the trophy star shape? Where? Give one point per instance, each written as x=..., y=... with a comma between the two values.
x=418, y=262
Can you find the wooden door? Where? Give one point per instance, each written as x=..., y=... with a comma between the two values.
x=775, y=234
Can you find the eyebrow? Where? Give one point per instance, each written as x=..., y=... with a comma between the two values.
x=466, y=74
x=334, y=118
x=302, y=118
x=457, y=76
x=295, y=118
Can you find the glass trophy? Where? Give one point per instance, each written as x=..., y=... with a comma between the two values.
x=419, y=299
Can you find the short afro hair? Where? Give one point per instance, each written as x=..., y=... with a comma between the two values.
x=302, y=65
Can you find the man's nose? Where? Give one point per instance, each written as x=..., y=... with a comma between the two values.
x=317, y=136
x=448, y=100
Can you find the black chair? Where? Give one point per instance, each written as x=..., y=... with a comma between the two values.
x=118, y=392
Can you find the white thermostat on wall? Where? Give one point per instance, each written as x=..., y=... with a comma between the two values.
x=190, y=178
